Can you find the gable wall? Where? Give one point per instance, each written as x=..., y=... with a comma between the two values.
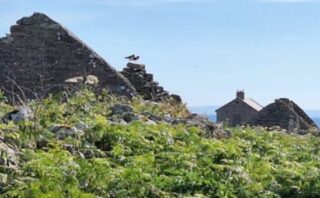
x=40, y=55
x=234, y=109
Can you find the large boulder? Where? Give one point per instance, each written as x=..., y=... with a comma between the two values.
x=285, y=114
x=40, y=55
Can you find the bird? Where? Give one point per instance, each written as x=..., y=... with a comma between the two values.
x=136, y=58
x=132, y=58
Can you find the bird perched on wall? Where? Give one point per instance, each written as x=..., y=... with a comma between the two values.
x=136, y=58
x=132, y=58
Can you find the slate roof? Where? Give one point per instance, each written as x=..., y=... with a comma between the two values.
x=252, y=103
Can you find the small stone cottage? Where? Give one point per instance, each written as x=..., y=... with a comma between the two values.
x=239, y=111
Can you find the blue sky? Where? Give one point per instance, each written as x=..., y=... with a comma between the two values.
x=203, y=50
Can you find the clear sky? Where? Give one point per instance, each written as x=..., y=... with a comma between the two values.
x=203, y=50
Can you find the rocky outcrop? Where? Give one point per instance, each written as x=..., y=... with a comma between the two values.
x=285, y=114
x=145, y=84
x=39, y=55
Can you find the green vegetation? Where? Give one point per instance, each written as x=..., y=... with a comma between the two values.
x=148, y=160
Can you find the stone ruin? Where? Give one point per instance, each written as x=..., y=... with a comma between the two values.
x=39, y=55
x=145, y=84
x=285, y=114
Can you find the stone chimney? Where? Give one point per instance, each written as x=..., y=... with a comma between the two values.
x=240, y=94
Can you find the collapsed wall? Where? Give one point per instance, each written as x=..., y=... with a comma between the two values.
x=285, y=114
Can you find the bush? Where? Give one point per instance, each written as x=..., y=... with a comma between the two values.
x=140, y=160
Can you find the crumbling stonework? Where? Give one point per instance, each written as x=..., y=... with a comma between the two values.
x=39, y=55
x=285, y=114
x=145, y=85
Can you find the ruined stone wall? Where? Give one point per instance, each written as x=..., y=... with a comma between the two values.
x=303, y=115
x=285, y=114
x=145, y=84
x=40, y=54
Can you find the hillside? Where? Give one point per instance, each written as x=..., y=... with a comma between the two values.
x=83, y=146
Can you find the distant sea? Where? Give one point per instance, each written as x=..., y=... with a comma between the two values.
x=317, y=121
x=207, y=111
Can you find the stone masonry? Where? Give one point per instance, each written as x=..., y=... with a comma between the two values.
x=145, y=85
x=285, y=114
x=40, y=54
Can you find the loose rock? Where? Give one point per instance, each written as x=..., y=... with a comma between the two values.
x=20, y=114
x=64, y=131
x=120, y=109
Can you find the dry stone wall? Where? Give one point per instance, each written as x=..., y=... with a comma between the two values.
x=285, y=114
x=145, y=84
x=39, y=55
